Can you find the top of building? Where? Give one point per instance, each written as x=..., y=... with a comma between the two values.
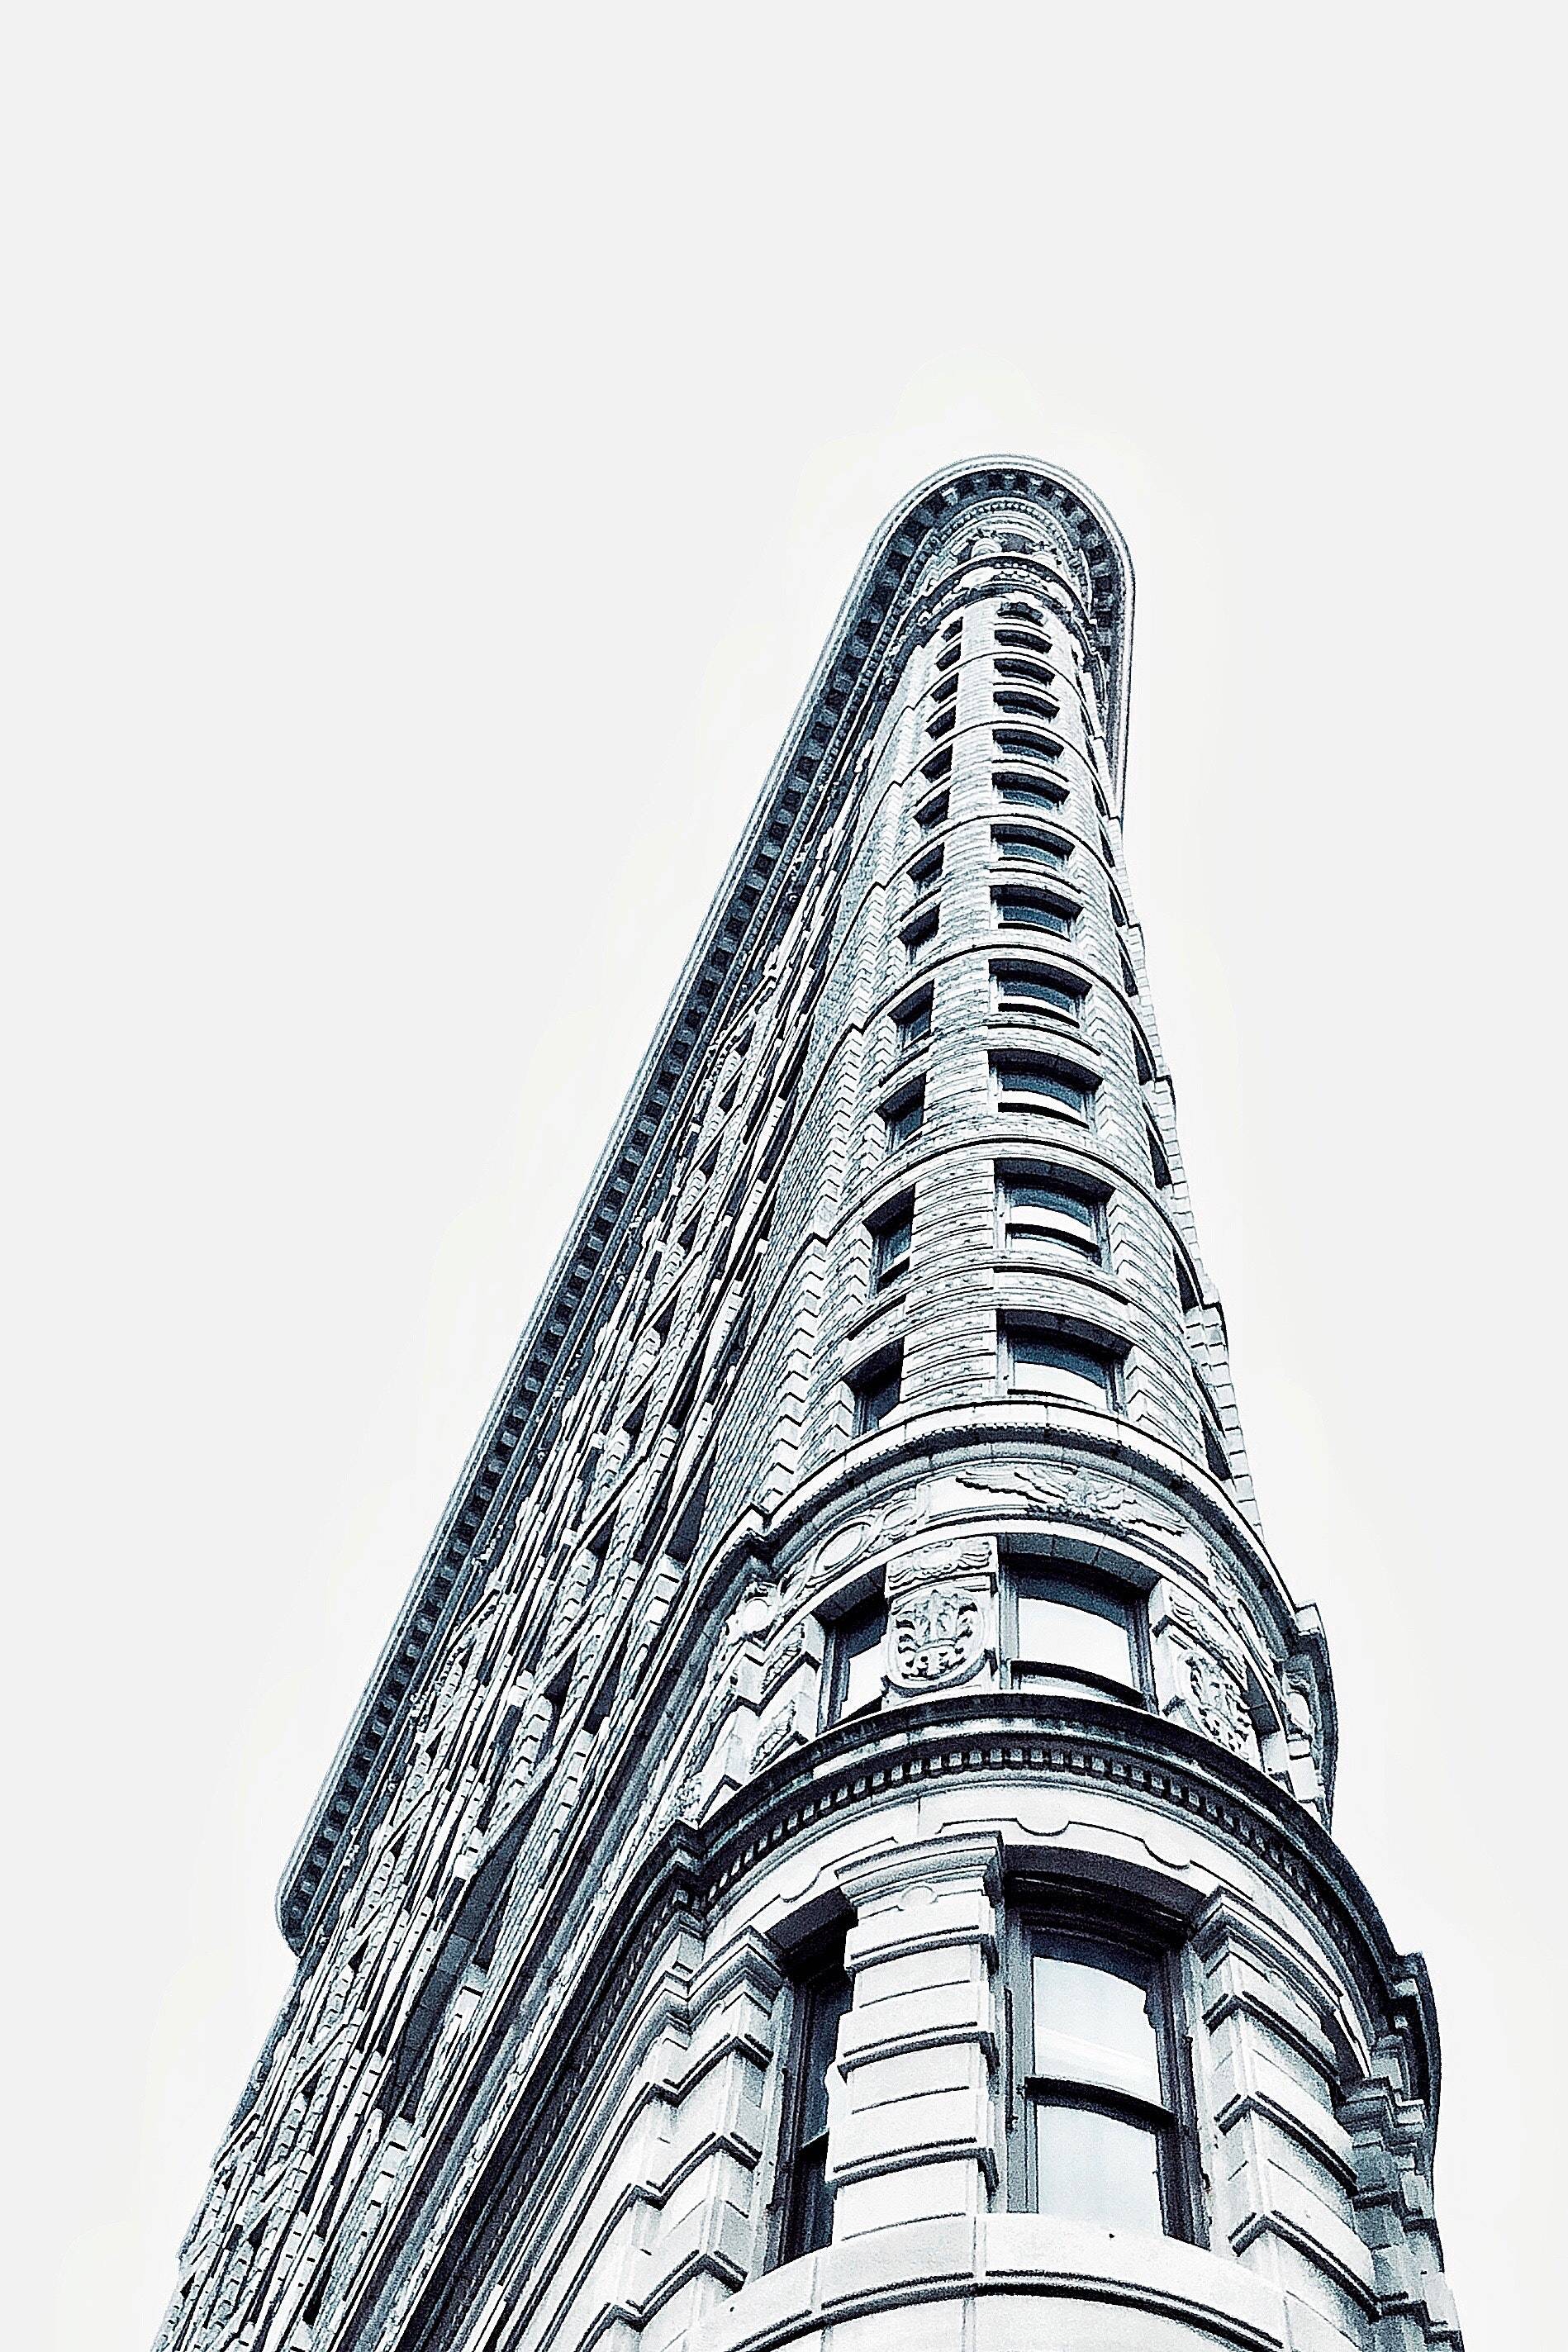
x=994, y=515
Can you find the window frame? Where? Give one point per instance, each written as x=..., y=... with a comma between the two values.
x=895, y=1219
x=912, y=1018
x=1087, y=1238
x=1088, y=1341
x=817, y=1977
x=1029, y=1100
x=920, y=931
x=896, y=1109
x=1030, y=848
x=871, y=1379
x=1056, y=913
x=869, y=1612
x=1088, y=1920
x=1017, y=789
x=1067, y=984
x=1019, y=1564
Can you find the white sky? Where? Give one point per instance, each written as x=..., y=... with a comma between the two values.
x=438, y=441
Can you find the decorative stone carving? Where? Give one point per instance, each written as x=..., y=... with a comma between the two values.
x=935, y=1636
x=971, y=1555
x=777, y=1734
x=1217, y=1702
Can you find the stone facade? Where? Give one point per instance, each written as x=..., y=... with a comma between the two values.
x=835, y=1854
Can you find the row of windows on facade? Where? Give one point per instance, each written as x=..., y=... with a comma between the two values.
x=1021, y=1084
x=1036, y=1205
x=1036, y=1355
x=1101, y=2110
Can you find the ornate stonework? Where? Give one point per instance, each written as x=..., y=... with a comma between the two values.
x=802, y=1630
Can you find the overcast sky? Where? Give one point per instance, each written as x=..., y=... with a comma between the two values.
x=438, y=441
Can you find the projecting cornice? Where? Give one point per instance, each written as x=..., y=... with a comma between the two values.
x=1008, y=511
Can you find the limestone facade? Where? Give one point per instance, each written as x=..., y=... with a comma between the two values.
x=836, y=1851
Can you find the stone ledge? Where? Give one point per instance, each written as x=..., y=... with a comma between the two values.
x=1022, y=2257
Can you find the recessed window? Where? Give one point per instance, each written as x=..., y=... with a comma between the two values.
x=1024, y=743
x=1043, y=1207
x=1129, y=977
x=926, y=874
x=1065, y=1628
x=953, y=629
x=1096, y=2111
x=1035, y=910
x=823, y=1993
x=938, y=765
x=1027, y=640
x=1020, y=612
x=932, y=812
x=911, y=1022
x=1039, y=1360
x=1157, y=1160
x=1025, y=706
x=904, y=1116
x=892, y=1231
x=1035, y=988
x=1031, y=673
x=1024, y=844
x=1037, y=1082
x=854, y=1665
x=875, y=1391
x=918, y=935
x=942, y=724
x=1028, y=792
x=946, y=660
x=1142, y=1061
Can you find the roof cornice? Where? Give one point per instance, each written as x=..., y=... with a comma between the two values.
x=850, y=674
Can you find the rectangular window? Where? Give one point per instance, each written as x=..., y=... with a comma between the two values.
x=1064, y=1627
x=822, y=1997
x=1158, y=1162
x=926, y=874
x=875, y=1391
x=911, y=1022
x=918, y=935
x=891, y=1234
x=1031, y=1082
x=1039, y=1360
x=1026, y=743
x=904, y=1117
x=949, y=655
x=932, y=812
x=1035, y=988
x=1096, y=2064
x=1040, y=1206
x=1035, y=910
x=1021, y=845
x=1028, y=792
x=854, y=1667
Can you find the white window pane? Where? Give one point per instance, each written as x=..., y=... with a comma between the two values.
x=1055, y=1632
x=1092, y=2026
x=863, y=1670
x=1099, y=2169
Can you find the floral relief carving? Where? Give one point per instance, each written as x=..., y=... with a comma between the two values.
x=935, y=1636
x=1217, y=1702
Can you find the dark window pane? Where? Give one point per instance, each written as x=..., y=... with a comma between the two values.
x=1098, y=2167
x=1059, y=1366
x=811, y=2217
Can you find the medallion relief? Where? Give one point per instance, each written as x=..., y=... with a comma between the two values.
x=935, y=1636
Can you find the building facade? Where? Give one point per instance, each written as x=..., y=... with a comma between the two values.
x=836, y=1853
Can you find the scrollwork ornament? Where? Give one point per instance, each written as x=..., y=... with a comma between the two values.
x=935, y=1636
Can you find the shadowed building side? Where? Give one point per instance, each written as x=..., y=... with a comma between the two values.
x=837, y=1849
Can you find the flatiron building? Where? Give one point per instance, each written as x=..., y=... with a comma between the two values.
x=836, y=1853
